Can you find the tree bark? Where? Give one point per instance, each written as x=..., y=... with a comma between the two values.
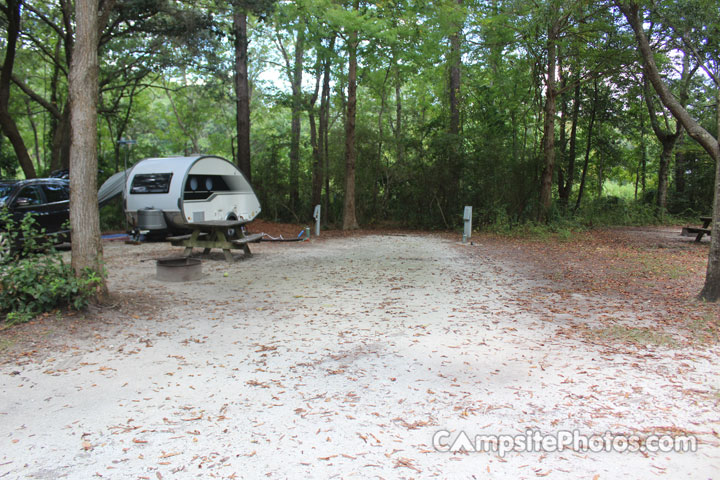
x=349, y=215
x=296, y=80
x=711, y=289
x=643, y=157
x=324, y=128
x=561, y=153
x=667, y=141
x=455, y=82
x=83, y=91
x=314, y=141
x=59, y=120
x=567, y=186
x=663, y=169
x=588, y=146
x=680, y=162
x=549, y=126
x=242, y=91
x=7, y=123
x=399, y=140
x=454, y=151
x=60, y=153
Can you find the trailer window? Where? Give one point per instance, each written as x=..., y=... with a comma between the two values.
x=200, y=187
x=151, y=183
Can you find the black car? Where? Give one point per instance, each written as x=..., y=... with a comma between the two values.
x=47, y=199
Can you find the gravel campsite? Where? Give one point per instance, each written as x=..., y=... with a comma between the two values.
x=366, y=356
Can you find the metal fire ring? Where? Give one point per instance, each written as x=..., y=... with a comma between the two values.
x=178, y=269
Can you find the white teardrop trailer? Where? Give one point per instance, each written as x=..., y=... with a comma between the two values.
x=204, y=195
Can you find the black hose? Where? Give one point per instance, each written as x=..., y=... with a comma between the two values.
x=299, y=238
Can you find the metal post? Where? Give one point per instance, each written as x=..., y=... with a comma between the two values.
x=127, y=143
x=316, y=216
x=467, y=218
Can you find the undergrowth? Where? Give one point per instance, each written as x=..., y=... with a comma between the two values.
x=603, y=212
x=35, y=279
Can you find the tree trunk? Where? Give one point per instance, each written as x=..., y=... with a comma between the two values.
x=83, y=92
x=600, y=168
x=588, y=146
x=561, y=153
x=667, y=141
x=680, y=162
x=242, y=91
x=567, y=185
x=455, y=83
x=324, y=127
x=643, y=156
x=379, y=170
x=296, y=82
x=60, y=148
x=7, y=123
x=454, y=169
x=33, y=127
x=668, y=145
x=315, y=144
x=349, y=216
x=549, y=127
x=399, y=141
x=711, y=289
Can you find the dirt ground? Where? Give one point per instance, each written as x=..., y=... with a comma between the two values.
x=346, y=356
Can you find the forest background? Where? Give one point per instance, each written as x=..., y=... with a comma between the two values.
x=528, y=111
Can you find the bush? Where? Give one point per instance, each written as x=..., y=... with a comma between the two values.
x=36, y=279
x=112, y=216
x=614, y=211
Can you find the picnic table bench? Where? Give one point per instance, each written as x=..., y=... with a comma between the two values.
x=227, y=235
x=700, y=231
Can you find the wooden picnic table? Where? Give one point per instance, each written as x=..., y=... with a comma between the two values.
x=227, y=235
x=700, y=231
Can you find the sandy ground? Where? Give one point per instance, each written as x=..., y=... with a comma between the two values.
x=340, y=358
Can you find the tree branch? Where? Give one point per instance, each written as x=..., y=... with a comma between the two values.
x=53, y=109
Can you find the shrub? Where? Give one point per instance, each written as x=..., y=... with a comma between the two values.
x=36, y=279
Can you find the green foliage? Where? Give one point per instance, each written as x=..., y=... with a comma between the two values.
x=112, y=216
x=36, y=279
x=166, y=81
x=8, y=162
x=608, y=211
x=600, y=212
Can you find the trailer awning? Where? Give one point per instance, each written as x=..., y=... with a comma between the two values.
x=112, y=187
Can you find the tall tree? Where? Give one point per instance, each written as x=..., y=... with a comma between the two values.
x=455, y=150
x=83, y=89
x=566, y=176
x=324, y=133
x=7, y=123
x=667, y=135
x=588, y=145
x=294, y=71
x=241, y=9
x=242, y=89
x=558, y=21
x=633, y=14
x=349, y=215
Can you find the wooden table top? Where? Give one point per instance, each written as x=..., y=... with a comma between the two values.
x=217, y=224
